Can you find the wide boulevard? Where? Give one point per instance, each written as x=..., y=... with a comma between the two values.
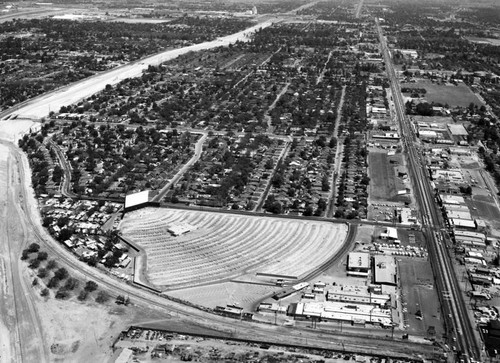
x=461, y=332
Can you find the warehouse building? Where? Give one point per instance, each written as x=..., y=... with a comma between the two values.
x=358, y=295
x=384, y=270
x=338, y=311
x=358, y=264
x=390, y=234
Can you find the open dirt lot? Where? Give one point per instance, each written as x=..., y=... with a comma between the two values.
x=384, y=183
x=241, y=294
x=452, y=95
x=419, y=293
x=224, y=246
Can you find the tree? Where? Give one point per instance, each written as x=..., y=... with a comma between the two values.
x=325, y=184
x=34, y=247
x=61, y=273
x=53, y=283
x=278, y=180
x=44, y=292
x=82, y=296
x=34, y=263
x=42, y=256
x=466, y=190
x=62, y=293
x=365, y=180
x=308, y=211
x=47, y=221
x=332, y=143
x=52, y=264
x=102, y=297
x=25, y=255
x=269, y=164
x=90, y=286
x=35, y=282
x=424, y=109
x=120, y=299
x=42, y=273
x=71, y=283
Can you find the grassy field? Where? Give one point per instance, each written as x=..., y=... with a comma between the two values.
x=459, y=95
x=226, y=246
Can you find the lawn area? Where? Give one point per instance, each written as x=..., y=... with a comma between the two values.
x=459, y=95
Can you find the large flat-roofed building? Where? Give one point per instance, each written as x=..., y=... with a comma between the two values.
x=451, y=199
x=358, y=263
x=390, y=234
x=478, y=235
x=427, y=135
x=337, y=311
x=457, y=130
x=462, y=223
x=459, y=214
x=384, y=270
x=357, y=295
x=139, y=200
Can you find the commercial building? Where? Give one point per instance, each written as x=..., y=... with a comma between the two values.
x=390, y=234
x=338, y=311
x=427, y=135
x=358, y=264
x=384, y=270
x=358, y=295
x=476, y=235
x=452, y=199
x=462, y=223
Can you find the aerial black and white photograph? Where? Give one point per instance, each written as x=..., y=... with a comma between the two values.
x=263, y=181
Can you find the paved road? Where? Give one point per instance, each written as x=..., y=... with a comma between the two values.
x=362, y=343
x=358, y=8
x=65, y=187
x=19, y=311
x=30, y=220
x=197, y=154
x=461, y=332
x=338, y=158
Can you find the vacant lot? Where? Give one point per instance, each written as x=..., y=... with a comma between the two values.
x=419, y=293
x=452, y=95
x=244, y=295
x=225, y=246
x=383, y=181
x=382, y=184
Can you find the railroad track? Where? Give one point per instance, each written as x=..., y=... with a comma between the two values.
x=250, y=330
x=460, y=330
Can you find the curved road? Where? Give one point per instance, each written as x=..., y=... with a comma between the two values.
x=29, y=327
x=335, y=340
x=19, y=310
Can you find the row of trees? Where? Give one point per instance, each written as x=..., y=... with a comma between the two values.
x=55, y=277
